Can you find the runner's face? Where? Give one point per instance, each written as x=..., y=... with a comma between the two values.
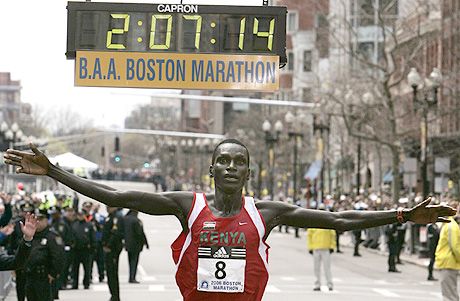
x=230, y=168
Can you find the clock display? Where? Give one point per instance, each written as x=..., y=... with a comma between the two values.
x=176, y=28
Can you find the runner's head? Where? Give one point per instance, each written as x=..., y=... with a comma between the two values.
x=232, y=141
x=230, y=165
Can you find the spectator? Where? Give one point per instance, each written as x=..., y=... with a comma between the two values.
x=321, y=243
x=448, y=259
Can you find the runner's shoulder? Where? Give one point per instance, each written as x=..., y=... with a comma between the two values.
x=269, y=205
x=180, y=197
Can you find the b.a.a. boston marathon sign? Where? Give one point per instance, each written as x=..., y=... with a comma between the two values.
x=177, y=71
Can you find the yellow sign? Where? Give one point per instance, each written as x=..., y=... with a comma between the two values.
x=177, y=71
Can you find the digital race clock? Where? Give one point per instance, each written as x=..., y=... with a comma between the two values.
x=176, y=28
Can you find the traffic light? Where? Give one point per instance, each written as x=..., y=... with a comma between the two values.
x=117, y=144
x=117, y=158
x=102, y=151
x=146, y=164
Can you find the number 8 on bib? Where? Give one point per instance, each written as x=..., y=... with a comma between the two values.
x=221, y=269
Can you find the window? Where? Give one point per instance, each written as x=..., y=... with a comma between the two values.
x=292, y=21
x=366, y=51
x=307, y=57
x=290, y=57
x=389, y=7
x=366, y=12
x=307, y=95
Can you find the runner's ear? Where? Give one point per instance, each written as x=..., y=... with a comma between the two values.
x=211, y=171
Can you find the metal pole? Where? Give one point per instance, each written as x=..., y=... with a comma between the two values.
x=358, y=172
x=322, y=167
x=272, y=170
x=423, y=153
x=358, y=166
x=295, y=169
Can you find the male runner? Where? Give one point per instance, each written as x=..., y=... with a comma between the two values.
x=221, y=253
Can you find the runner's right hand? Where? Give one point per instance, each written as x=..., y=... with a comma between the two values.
x=35, y=163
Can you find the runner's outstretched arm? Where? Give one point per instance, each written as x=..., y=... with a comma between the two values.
x=37, y=163
x=284, y=214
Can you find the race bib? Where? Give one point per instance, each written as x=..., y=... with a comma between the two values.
x=221, y=269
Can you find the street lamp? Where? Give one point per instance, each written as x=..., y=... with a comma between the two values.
x=321, y=124
x=294, y=134
x=270, y=140
x=429, y=100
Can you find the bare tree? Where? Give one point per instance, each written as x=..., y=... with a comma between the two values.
x=368, y=93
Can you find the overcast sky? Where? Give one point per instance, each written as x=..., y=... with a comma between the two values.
x=32, y=48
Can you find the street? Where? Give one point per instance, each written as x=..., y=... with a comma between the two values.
x=291, y=270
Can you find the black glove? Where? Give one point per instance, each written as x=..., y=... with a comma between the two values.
x=331, y=250
x=311, y=252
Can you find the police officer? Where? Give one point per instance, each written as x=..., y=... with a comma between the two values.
x=112, y=243
x=391, y=232
x=69, y=219
x=98, y=221
x=65, y=232
x=84, y=244
x=45, y=261
x=433, y=239
x=135, y=240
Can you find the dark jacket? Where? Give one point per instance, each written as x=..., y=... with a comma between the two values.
x=113, y=232
x=16, y=261
x=47, y=255
x=64, y=230
x=84, y=235
x=134, y=233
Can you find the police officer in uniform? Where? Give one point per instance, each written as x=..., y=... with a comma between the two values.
x=45, y=261
x=433, y=239
x=135, y=240
x=65, y=232
x=112, y=243
x=69, y=252
x=84, y=244
x=98, y=221
x=391, y=232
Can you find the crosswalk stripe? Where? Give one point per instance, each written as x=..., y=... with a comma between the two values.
x=385, y=292
x=272, y=289
x=149, y=278
x=100, y=288
x=436, y=294
x=157, y=288
x=286, y=278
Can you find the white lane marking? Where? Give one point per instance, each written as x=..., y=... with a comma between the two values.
x=437, y=295
x=383, y=282
x=100, y=287
x=340, y=280
x=286, y=278
x=325, y=289
x=141, y=271
x=385, y=292
x=157, y=288
x=272, y=289
x=144, y=275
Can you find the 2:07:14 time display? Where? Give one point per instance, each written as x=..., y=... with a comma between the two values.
x=191, y=33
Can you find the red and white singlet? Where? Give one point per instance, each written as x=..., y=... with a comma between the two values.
x=222, y=258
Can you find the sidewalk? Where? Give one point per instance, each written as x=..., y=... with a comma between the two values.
x=347, y=242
